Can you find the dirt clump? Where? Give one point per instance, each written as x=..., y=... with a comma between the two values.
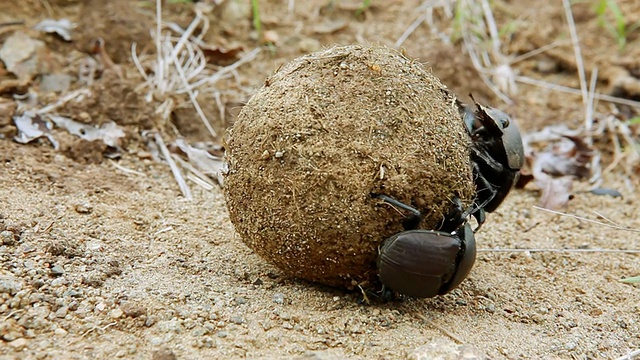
x=322, y=135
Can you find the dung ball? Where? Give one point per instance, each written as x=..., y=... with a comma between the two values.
x=325, y=134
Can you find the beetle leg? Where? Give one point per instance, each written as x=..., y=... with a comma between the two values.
x=485, y=186
x=456, y=217
x=412, y=221
x=480, y=216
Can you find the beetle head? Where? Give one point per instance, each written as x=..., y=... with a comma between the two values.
x=500, y=132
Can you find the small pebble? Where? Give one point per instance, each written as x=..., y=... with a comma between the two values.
x=241, y=300
x=151, y=320
x=11, y=335
x=278, y=298
x=9, y=285
x=116, y=313
x=60, y=332
x=7, y=238
x=62, y=312
x=83, y=207
x=132, y=309
x=19, y=344
x=58, y=282
x=547, y=66
x=163, y=354
x=57, y=270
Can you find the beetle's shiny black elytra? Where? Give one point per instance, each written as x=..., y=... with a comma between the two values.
x=426, y=263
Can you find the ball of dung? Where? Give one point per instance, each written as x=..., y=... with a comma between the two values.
x=326, y=133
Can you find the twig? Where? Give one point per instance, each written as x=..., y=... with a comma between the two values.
x=174, y=168
x=13, y=313
x=160, y=66
x=588, y=113
x=167, y=229
x=192, y=95
x=195, y=175
x=630, y=356
x=63, y=100
x=11, y=23
x=125, y=170
x=576, y=49
x=549, y=250
x=535, y=52
x=570, y=90
x=493, y=28
x=604, y=217
x=437, y=326
x=618, y=227
x=96, y=328
x=210, y=80
x=410, y=30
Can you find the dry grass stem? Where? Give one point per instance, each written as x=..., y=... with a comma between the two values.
x=613, y=225
x=126, y=170
x=576, y=49
x=184, y=188
x=485, y=49
x=74, y=95
x=453, y=336
x=550, y=250
x=570, y=90
x=194, y=174
x=180, y=67
x=630, y=356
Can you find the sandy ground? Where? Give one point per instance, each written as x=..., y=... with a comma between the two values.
x=99, y=262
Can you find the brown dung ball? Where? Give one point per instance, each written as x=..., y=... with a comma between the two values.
x=324, y=134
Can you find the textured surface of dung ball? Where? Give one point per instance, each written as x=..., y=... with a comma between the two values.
x=321, y=136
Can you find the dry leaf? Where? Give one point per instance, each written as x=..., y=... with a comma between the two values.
x=554, y=169
x=221, y=55
x=110, y=133
x=208, y=164
x=567, y=158
x=32, y=126
x=61, y=27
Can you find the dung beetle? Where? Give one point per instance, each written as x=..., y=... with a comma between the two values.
x=424, y=263
x=497, y=155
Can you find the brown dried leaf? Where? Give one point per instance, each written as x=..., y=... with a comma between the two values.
x=566, y=158
x=555, y=191
x=220, y=55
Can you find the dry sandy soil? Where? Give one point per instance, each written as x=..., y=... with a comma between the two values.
x=98, y=262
